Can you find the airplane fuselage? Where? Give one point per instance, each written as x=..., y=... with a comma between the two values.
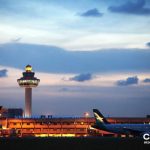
x=134, y=129
x=127, y=128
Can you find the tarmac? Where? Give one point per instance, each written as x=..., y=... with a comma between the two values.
x=81, y=143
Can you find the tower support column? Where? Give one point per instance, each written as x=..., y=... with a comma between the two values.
x=28, y=102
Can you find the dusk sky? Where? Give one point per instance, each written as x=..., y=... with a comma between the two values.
x=87, y=53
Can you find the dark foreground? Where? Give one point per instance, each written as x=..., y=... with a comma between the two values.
x=92, y=143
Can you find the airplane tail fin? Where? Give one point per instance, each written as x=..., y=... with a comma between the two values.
x=100, y=119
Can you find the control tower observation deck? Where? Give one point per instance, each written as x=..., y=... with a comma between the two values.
x=28, y=81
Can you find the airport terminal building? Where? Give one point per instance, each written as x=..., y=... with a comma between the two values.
x=58, y=127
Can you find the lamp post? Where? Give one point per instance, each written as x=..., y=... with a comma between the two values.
x=86, y=115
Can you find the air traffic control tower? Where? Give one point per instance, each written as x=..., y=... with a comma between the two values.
x=28, y=81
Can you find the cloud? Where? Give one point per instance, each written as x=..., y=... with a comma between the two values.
x=19, y=8
x=129, y=7
x=82, y=77
x=128, y=81
x=57, y=60
x=16, y=39
x=92, y=13
x=64, y=89
x=148, y=44
x=71, y=89
x=147, y=80
x=3, y=73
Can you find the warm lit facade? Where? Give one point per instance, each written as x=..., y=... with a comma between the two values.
x=44, y=127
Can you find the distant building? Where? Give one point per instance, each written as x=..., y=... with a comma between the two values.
x=148, y=116
x=10, y=112
x=3, y=112
x=15, y=112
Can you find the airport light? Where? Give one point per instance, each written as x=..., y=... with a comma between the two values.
x=86, y=114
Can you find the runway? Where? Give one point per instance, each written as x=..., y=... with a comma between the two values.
x=88, y=143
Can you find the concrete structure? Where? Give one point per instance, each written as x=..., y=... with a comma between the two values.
x=28, y=81
x=50, y=127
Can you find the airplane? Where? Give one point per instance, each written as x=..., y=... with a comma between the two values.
x=127, y=129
